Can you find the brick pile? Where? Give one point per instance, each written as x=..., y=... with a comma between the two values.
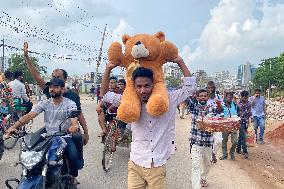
x=275, y=109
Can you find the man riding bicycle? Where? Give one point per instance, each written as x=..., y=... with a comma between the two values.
x=105, y=111
x=106, y=108
x=56, y=110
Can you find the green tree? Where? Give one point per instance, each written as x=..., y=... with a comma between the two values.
x=172, y=82
x=279, y=72
x=16, y=62
x=270, y=72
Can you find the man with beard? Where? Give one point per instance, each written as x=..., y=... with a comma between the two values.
x=67, y=93
x=214, y=100
x=56, y=110
x=201, y=142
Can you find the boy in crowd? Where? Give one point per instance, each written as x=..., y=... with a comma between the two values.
x=230, y=109
x=258, y=110
x=214, y=98
x=244, y=113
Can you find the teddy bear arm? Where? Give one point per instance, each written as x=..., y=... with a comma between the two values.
x=115, y=53
x=124, y=62
x=169, y=51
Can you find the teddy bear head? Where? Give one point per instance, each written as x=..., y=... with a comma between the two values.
x=143, y=46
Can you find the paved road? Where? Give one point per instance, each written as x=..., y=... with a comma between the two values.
x=224, y=175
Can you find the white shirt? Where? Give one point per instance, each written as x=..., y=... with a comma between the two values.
x=151, y=139
x=112, y=98
x=172, y=132
x=18, y=90
x=211, y=103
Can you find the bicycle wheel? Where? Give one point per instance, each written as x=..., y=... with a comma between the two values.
x=108, y=153
x=10, y=142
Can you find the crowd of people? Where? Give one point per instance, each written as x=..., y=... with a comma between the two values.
x=205, y=145
x=152, y=136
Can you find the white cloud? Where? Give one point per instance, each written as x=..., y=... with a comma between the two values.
x=122, y=28
x=58, y=17
x=234, y=35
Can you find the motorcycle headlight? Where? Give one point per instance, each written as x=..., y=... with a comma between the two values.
x=30, y=158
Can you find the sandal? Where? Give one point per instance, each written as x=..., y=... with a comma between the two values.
x=203, y=183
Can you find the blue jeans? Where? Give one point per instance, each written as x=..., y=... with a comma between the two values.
x=259, y=122
x=242, y=137
x=78, y=140
x=72, y=157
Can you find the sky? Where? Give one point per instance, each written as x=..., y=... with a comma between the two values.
x=211, y=35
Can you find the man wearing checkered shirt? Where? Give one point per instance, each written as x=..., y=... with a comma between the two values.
x=201, y=142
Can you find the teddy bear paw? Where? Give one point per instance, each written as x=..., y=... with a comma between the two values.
x=127, y=115
x=157, y=105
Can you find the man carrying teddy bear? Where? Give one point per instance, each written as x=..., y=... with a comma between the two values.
x=151, y=147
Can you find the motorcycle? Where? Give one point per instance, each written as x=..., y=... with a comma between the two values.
x=43, y=160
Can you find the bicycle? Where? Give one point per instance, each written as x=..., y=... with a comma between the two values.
x=113, y=139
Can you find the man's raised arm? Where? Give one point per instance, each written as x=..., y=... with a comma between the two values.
x=189, y=84
x=35, y=73
x=183, y=67
x=105, y=79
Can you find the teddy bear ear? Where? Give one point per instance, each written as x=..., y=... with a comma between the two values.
x=125, y=37
x=160, y=35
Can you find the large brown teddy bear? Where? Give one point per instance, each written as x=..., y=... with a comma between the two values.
x=149, y=51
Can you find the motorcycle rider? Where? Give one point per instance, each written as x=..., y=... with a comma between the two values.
x=67, y=93
x=56, y=110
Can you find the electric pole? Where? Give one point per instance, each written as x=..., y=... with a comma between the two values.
x=99, y=58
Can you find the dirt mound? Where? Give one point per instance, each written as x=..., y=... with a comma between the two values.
x=277, y=136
